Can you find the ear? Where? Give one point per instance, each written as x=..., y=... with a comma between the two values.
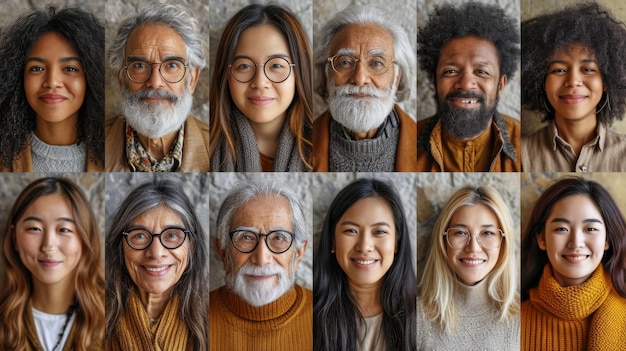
x=193, y=73
x=299, y=254
x=541, y=241
x=503, y=81
x=222, y=253
x=606, y=245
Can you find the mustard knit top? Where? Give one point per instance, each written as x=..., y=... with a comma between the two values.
x=285, y=324
x=590, y=316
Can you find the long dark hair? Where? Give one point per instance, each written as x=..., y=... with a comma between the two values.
x=335, y=312
x=299, y=112
x=85, y=34
x=614, y=259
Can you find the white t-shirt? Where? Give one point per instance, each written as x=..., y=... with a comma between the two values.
x=49, y=327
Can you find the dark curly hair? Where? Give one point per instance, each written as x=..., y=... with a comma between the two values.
x=488, y=22
x=589, y=24
x=85, y=34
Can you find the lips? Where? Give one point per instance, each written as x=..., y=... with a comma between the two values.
x=47, y=263
x=464, y=100
x=260, y=100
x=575, y=258
x=157, y=269
x=52, y=98
x=472, y=261
x=364, y=262
x=572, y=98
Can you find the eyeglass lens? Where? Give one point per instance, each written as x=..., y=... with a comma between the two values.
x=276, y=69
x=278, y=241
x=458, y=238
x=346, y=64
x=172, y=71
x=170, y=238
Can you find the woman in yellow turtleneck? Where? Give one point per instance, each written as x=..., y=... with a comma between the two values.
x=573, y=265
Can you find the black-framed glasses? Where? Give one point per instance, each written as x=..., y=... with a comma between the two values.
x=141, y=238
x=276, y=69
x=374, y=64
x=246, y=241
x=172, y=71
x=489, y=239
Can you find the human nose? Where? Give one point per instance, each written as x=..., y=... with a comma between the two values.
x=360, y=75
x=259, y=80
x=156, y=249
x=364, y=243
x=261, y=254
x=466, y=81
x=53, y=79
x=49, y=241
x=155, y=80
x=573, y=78
x=473, y=245
x=576, y=239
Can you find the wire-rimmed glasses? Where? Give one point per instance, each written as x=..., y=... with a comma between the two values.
x=172, y=71
x=141, y=238
x=346, y=64
x=246, y=241
x=276, y=69
x=489, y=239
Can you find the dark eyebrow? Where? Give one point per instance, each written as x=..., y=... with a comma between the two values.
x=63, y=59
x=466, y=226
x=285, y=56
x=37, y=219
x=565, y=62
x=358, y=225
x=565, y=220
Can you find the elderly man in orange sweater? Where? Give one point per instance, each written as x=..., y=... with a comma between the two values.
x=261, y=238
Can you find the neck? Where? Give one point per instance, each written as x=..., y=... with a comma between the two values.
x=368, y=134
x=158, y=147
x=154, y=303
x=53, y=298
x=57, y=133
x=267, y=134
x=368, y=298
x=576, y=133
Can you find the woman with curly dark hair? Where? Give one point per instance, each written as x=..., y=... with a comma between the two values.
x=574, y=73
x=52, y=92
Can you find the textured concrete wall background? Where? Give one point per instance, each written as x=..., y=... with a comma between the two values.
x=509, y=101
x=434, y=190
x=12, y=184
x=223, y=183
x=117, y=11
x=403, y=11
x=532, y=8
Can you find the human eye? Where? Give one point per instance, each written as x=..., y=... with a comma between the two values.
x=350, y=231
x=345, y=61
x=458, y=232
x=35, y=68
x=380, y=232
x=449, y=72
x=558, y=70
x=139, y=65
x=482, y=73
x=65, y=230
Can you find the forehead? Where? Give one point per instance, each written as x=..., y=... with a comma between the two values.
x=148, y=38
x=362, y=38
x=52, y=43
x=478, y=213
x=264, y=212
x=472, y=50
x=577, y=51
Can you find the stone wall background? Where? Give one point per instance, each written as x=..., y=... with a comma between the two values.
x=12, y=184
x=435, y=189
x=532, y=8
x=510, y=98
x=117, y=11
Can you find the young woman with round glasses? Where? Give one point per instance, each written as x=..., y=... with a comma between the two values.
x=261, y=93
x=468, y=293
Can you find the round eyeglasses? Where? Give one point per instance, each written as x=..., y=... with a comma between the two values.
x=172, y=71
x=141, y=238
x=374, y=64
x=276, y=69
x=459, y=238
x=245, y=241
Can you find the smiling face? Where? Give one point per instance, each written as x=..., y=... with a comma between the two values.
x=574, y=84
x=574, y=239
x=47, y=240
x=365, y=241
x=156, y=270
x=262, y=101
x=472, y=263
x=54, y=80
x=468, y=84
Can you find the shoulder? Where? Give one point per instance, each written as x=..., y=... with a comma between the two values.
x=196, y=123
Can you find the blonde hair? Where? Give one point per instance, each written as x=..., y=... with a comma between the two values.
x=437, y=284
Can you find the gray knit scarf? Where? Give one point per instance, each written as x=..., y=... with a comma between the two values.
x=287, y=158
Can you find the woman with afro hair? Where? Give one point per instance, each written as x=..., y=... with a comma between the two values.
x=574, y=73
x=52, y=92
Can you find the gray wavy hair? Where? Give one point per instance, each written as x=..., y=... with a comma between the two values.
x=160, y=12
x=405, y=58
x=249, y=191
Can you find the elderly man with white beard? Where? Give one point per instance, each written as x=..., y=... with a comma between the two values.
x=365, y=65
x=261, y=238
x=156, y=58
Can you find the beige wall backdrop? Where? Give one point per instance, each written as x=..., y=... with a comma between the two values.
x=403, y=11
x=12, y=184
x=117, y=11
x=531, y=8
x=509, y=101
x=435, y=189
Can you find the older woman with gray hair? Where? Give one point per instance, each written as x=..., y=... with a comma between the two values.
x=156, y=57
x=156, y=268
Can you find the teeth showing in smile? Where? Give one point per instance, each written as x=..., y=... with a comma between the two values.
x=466, y=261
x=472, y=101
x=156, y=269
x=576, y=258
x=365, y=262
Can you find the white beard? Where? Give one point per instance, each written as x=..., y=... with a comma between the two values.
x=260, y=293
x=360, y=114
x=153, y=119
